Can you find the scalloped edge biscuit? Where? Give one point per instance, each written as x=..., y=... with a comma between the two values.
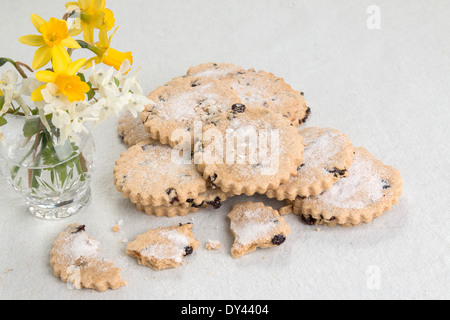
x=203, y=98
x=131, y=181
x=75, y=259
x=295, y=107
x=312, y=181
x=227, y=176
x=213, y=70
x=315, y=211
x=131, y=129
x=166, y=211
x=265, y=90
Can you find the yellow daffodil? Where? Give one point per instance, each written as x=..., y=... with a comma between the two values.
x=65, y=78
x=53, y=40
x=92, y=15
x=106, y=54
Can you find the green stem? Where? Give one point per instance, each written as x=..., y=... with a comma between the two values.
x=31, y=172
x=98, y=52
x=16, y=65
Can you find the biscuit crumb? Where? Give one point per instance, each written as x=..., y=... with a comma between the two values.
x=116, y=228
x=318, y=229
x=213, y=245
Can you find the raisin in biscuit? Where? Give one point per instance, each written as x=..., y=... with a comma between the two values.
x=208, y=199
x=240, y=167
x=370, y=189
x=153, y=175
x=163, y=248
x=182, y=102
x=75, y=259
x=256, y=226
x=327, y=157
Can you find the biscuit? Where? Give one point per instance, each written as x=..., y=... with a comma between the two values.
x=327, y=157
x=163, y=248
x=265, y=90
x=254, y=225
x=76, y=260
x=152, y=175
x=132, y=130
x=213, y=198
x=370, y=189
x=166, y=211
x=241, y=167
x=182, y=102
x=214, y=70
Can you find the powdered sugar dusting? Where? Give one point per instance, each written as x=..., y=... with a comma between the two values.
x=322, y=148
x=213, y=70
x=214, y=73
x=250, y=226
x=132, y=128
x=79, y=245
x=154, y=168
x=173, y=249
x=259, y=147
x=201, y=103
x=361, y=189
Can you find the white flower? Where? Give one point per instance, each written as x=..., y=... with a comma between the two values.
x=29, y=85
x=53, y=98
x=132, y=84
x=135, y=103
x=69, y=118
x=80, y=113
x=108, y=107
x=121, y=75
x=8, y=86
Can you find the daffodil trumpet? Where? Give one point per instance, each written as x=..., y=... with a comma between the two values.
x=65, y=78
x=104, y=53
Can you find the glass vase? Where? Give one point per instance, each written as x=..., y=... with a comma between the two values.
x=53, y=177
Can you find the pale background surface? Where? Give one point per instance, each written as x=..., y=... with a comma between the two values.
x=387, y=89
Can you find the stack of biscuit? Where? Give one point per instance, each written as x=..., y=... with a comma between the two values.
x=319, y=173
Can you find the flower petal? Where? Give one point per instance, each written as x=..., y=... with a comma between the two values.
x=37, y=95
x=37, y=21
x=75, y=66
x=99, y=4
x=70, y=42
x=32, y=40
x=74, y=30
x=103, y=37
x=88, y=33
x=42, y=57
x=71, y=4
x=85, y=4
x=61, y=59
x=46, y=76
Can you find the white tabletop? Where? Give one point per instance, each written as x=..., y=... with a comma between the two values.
x=388, y=89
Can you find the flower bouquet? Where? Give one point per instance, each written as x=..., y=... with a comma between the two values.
x=46, y=149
